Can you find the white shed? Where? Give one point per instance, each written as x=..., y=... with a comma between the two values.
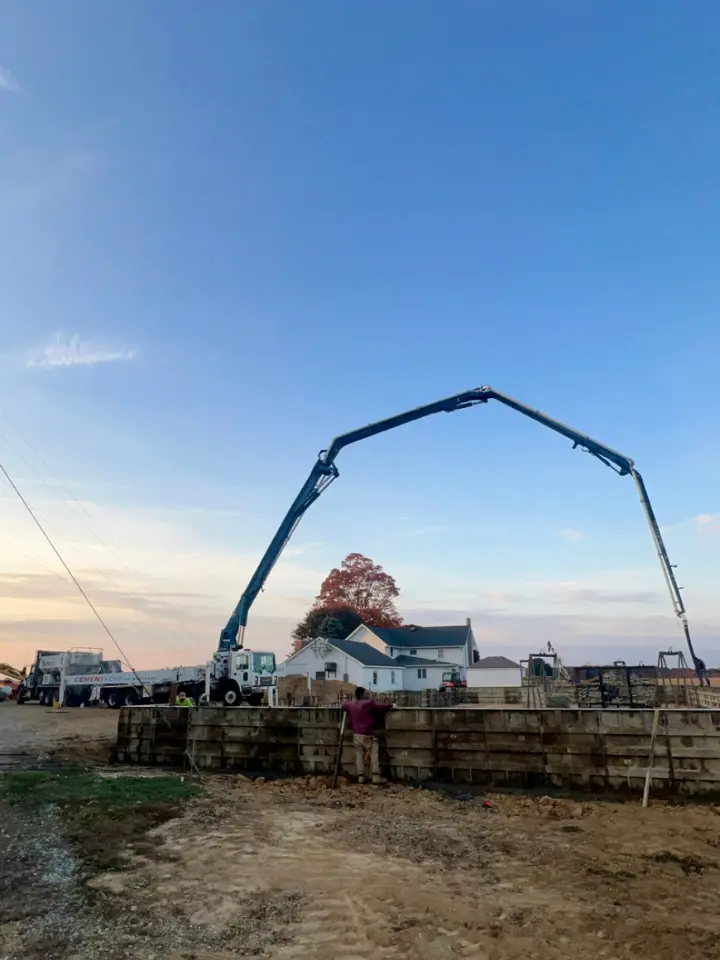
x=494, y=672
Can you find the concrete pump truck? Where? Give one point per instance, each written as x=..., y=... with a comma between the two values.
x=232, y=674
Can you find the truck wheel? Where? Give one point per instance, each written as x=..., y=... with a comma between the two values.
x=113, y=699
x=130, y=698
x=255, y=699
x=231, y=694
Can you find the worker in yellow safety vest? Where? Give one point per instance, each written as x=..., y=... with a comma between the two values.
x=182, y=701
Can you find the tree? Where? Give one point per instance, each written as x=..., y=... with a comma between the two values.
x=363, y=586
x=359, y=591
x=333, y=623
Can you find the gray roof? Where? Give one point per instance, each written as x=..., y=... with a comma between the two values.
x=363, y=652
x=495, y=662
x=406, y=661
x=412, y=637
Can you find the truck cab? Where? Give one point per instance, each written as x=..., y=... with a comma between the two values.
x=236, y=677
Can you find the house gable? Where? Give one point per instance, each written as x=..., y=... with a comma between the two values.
x=451, y=644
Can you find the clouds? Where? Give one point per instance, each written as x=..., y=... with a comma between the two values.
x=64, y=351
x=165, y=590
x=707, y=522
x=700, y=523
x=8, y=82
x=567, y=533
x=168, y=588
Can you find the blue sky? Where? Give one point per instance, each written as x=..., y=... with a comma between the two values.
x=231, y=231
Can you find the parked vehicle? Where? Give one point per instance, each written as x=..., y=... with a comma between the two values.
x=51, y=668
x=82, y=677
x=452, y=680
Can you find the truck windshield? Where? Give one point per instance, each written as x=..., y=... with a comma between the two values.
x=264, y=662
x=448, y=675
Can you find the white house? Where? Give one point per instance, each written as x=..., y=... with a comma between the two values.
x=494, y=672
x=354, y=662
x=388, y=659
x=454, y=645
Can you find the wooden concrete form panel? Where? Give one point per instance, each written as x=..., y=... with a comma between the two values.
x=502, y=742
x=507, y=720
x=624, y=722
x=693, y=744
x=413, y=760
x=567, y=748
x=152, y=735
x=415, y=719
x=408, y=739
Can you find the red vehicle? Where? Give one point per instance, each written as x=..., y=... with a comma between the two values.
x=452, y=680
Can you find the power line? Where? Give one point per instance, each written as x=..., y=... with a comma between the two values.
x=97, y=533
x=34, y=560
x=70, y=573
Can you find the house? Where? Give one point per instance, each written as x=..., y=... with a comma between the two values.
x=387, y=659
x=349, y=660
x=494, y=672
x=453, y=645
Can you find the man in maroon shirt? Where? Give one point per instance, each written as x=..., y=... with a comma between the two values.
x=366, y=717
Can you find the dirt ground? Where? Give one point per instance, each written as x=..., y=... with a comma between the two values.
x=31, y=733
x=289, y=869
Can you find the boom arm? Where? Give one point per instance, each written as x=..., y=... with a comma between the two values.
x=324, y=472
x=321, y=476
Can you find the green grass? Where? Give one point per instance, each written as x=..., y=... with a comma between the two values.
x=75, y=788
x=99, y=816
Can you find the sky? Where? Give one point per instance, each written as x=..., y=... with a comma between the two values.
x=231, y=231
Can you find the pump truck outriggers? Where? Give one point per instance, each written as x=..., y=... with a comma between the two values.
x=223, y=672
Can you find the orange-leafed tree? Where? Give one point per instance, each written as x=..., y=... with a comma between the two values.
x=364, y=587
x=359, y=590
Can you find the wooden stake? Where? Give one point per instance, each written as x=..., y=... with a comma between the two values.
x=651, y=756
x=338, y=756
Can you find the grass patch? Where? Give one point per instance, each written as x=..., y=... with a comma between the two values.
x=79, y=787
x=100, y=816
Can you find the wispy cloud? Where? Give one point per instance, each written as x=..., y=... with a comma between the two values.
x=72, y=351
x=567, y=533
x=8, y=82
x=702, y=522
x=424, y=531
x=302, y=549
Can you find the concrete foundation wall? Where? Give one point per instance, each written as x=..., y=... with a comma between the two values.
x=576, y=749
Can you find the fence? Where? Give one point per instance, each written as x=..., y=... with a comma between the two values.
x=577, y=749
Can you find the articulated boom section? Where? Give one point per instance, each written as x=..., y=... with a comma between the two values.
x=325, y=471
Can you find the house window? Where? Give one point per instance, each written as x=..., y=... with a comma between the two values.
x=413, y=653
x=331, y=670
x=441, y=654
x=374, y=679
x=392, y=676
x=422, y=674
x=319, y=674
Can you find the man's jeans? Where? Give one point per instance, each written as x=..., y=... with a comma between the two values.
x=366, y=747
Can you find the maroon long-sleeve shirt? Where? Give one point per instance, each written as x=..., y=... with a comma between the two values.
x=365, y=715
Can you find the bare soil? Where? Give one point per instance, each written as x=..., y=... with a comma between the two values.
x=291, y=869
x=31, y=734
